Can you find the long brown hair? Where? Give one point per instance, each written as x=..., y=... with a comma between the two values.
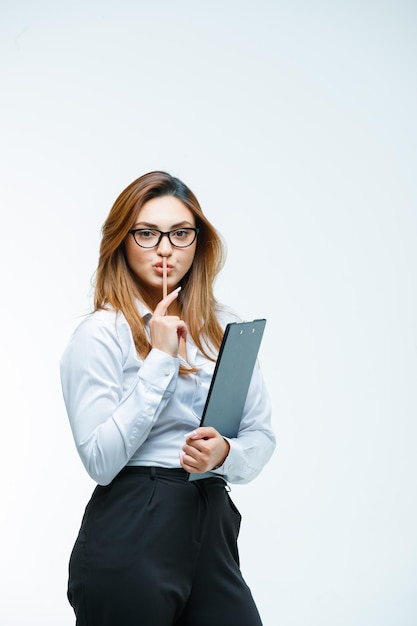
x=116, y=285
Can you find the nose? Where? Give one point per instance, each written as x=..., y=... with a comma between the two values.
x=164, y=247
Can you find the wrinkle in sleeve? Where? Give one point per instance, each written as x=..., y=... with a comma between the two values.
x=110, y=422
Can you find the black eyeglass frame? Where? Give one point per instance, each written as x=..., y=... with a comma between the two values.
x=162, y=233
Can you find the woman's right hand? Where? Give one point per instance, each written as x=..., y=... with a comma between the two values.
x=167, y=330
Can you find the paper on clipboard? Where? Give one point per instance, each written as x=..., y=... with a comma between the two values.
x=231, y=379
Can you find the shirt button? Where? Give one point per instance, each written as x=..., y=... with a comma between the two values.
x=167, y=372
x=149, y=411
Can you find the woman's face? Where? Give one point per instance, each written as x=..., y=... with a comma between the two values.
x=164, y=213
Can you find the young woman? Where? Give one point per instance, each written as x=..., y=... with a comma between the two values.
x=155, y=549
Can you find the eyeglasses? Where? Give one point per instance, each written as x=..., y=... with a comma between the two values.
x=151, y=237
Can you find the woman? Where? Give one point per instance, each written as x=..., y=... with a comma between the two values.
x=155, y=549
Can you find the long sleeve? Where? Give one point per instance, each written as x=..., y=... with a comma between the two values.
x=256, y=442
x=112, y=403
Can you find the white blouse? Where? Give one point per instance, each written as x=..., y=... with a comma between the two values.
x=128, y=411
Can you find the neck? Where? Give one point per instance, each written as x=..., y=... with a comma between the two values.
x=151, y=302
x=175, y=309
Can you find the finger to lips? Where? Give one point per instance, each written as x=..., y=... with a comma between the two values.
x=162, y=306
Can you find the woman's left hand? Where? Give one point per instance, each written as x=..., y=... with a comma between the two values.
x=204, y=449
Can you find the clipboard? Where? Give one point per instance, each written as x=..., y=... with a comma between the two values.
x=231, y=379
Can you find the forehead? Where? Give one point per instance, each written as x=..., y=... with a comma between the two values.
x=165, y=211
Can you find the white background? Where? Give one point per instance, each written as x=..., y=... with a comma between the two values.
x=295, y=125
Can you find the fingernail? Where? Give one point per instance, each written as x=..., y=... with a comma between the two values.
x=178, y=289
x=192, y=434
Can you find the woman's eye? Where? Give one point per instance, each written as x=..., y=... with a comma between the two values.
x=147, y=234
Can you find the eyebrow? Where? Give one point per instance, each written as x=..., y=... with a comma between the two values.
x=184, y=223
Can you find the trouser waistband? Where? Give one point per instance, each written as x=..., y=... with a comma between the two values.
x=168, y=472
x=153, y=471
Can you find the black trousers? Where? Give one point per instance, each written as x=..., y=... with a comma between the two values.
x=157, y=550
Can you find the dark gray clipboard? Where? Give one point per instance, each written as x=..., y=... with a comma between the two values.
x=231, y=379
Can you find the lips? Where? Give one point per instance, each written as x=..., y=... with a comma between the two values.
x=159, y=268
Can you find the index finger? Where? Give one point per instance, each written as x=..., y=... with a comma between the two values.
x=162, y=306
